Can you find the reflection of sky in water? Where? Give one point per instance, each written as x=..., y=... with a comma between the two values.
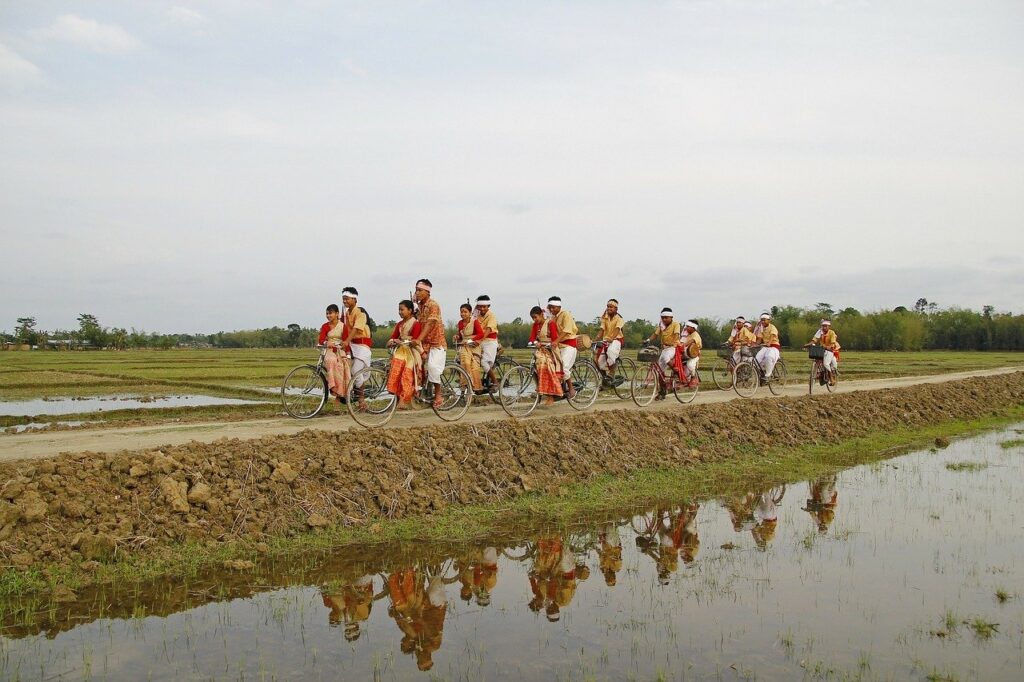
x=55, y=406
x=909, y=540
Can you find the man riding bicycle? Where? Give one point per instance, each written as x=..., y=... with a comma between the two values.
x=489, y=345
x=668, y=334
x=690, y=344
x=827, y=339
x=740, y=339
x=431, y=337
x=611, y=335
x=357, y=339
x=567, y=333
x=769, y=338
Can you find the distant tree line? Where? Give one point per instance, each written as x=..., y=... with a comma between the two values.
x=922, y=327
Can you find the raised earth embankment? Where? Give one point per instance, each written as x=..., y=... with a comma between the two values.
x=83, y=507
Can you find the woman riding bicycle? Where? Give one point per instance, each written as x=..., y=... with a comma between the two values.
x=544, y=335
x=407, y=363
x=467, y=339
x=336, y=360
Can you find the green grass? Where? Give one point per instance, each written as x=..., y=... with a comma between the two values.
x=1010, y=444
x=966, y=466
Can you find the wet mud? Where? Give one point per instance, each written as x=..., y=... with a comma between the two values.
x=89, y=507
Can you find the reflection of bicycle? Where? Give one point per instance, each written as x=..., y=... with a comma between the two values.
x=518, y=390
x=820, y=375
x=372, y=405
x=749, y=376
x=620, y=377
x=304, y=391
x=648, y=381
x=725, y=366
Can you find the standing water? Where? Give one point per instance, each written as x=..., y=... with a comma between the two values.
x=912, y=568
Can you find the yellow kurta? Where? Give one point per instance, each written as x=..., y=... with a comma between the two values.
x=693, y=343
x=489, y=321
x=744, y=337
x=356, y=319
x=770, y=335
x=567, y=328
x=670, y=335
x=829, y=340
x=611, y=327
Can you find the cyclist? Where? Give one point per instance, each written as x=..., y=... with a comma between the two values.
x=489, y=344
x=567, y=333
x=690, y=344
x=547, y=360
x=357, y=337
x=826, y=337
x=668, y=333
x=406, y=364
x=468, y=337
x=611, y=333
x=769, y=338
x=336, y=359
x=431, y=337
x=740, y=339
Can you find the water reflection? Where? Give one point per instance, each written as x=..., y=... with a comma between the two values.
x=769, y=595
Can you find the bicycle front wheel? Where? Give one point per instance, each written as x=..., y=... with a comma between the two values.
x=779, y=377
x=830, y=386
x=622, y=377
x=456, y=393
x=587, y=381
x=746, y=379
x=644, y=385
x=304, y=392
x=684, y=392
x=518, y=392
x=370, y=403
x=721, y=374
x=502, y=365
x=812, y=378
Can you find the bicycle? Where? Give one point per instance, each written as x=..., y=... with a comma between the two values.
x=372, y=405
x=501, y=365
x=749, y=376
x=819, y=374
x=518, y=390
x=645, y=385
x=304, y=390
x=620, y=378
x=725, y=366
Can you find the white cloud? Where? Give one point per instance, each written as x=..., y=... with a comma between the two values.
x=185, y=15
x=90, y=35
x=15, y=69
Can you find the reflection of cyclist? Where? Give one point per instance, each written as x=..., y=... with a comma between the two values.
x=741, y=511
x=611, y=333
x=822, y=503
x=610, y=553
x=406, y=364
x=567, y=333
x=684, y=532
x=690, y=344
x=478, y=573
x=827, y=339
x=769, y=338
x=547, y=360
x=336, y=360
x=418, y=607
x=351, y=605
x=668, y=334
x=766, y=513
x=554, y=577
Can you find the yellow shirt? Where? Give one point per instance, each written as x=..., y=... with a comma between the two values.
x=670, y=335
x=829, y=340
x=489, y=321
x=692, y=343
x=770, y=335
x=611, y=327
x=356, y=319
x=567, y=328
x=744, y=337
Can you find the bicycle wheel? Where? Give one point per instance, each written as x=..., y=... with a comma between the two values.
x=830, y=386
x=746, y=379
x=780, y=375
x=685, y=393
x=371, y=404
x=622, y=377
x=456, y=393
x=644, y=385
x=518, y=392
x=812, y=378
x=587, y=382
x=304, y=392
x=501, y=367
x=721, y=375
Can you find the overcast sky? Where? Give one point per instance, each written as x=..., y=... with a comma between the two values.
x=224, y=165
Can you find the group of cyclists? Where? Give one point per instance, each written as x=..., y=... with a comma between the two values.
x=420, y=347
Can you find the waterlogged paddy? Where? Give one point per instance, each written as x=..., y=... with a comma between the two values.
x=908, y=569
x=59, y=406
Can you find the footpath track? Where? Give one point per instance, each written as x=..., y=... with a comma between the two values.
x=49, y=444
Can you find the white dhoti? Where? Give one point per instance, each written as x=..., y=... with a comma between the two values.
x=830, y=361
x=767, y=357
x=610, y=356
x=361, y=357
x=435, y=364
x=737, y=356
x=667, y=359
x=488, y=352
x=568, y=356
x=691, y=367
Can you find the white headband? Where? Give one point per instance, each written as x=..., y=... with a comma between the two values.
x=667, y=313
x=348, y=294
x=692, y=323
x=826, y=322
x=554, y=300
x=766, y=316
x=741, y=319
x=483, y=301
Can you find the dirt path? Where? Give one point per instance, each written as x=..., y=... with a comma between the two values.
x=48, y=444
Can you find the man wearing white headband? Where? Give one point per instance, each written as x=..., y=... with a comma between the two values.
x=357, y=339
x=667, y=334
x=827, y=338
x=760, y=323
x=690, y=344
x=567, y=333
x=431, y=336
x=611, y=334
x=769, y=338
x=489, y=345
x=741, y=340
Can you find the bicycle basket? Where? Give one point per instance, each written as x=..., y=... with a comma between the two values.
x=725, y=352
x=816, y=352
x=647, y=354
x=583, y=342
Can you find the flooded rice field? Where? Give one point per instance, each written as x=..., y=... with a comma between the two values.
x=59, y=406
x=911, y=568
